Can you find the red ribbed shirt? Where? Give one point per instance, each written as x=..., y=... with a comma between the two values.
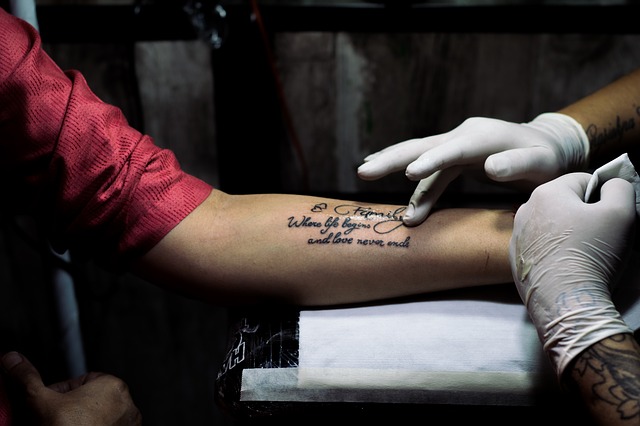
x=75, y=160
x=92, y=181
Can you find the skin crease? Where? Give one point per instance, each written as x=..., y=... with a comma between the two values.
x=230, y=250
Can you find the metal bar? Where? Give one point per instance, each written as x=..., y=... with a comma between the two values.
x=63, y=288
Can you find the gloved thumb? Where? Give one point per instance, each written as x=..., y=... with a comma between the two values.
x=619, y=195
x=532, y=164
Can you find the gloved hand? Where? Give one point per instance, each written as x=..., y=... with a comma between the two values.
x=565, y=258
x=535, y=152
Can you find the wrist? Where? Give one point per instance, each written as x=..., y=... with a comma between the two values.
x=565, y=339
x=573, y=140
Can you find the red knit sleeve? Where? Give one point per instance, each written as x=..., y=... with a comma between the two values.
x=96, y=183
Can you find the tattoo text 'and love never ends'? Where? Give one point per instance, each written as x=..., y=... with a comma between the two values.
x=343, y=224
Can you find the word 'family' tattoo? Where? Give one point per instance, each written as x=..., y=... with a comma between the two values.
x=343, y=224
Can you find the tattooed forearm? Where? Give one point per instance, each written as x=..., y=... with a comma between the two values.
x=614, y=132
x=600, y=136
x=608, y=375
x=343, y=223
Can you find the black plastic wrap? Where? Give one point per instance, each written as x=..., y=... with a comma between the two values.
x=263, y=339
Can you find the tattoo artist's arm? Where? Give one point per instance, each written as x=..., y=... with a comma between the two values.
x=606, y=375
x=610, y=118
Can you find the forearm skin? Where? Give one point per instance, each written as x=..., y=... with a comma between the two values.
x=314, y=251
x=606, y=375
x=610, y=118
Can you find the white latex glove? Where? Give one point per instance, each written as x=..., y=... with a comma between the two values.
x=565, y=257
x=535, y=152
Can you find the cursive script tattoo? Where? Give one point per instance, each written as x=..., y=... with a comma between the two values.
x=612, y=133
x=342, y=223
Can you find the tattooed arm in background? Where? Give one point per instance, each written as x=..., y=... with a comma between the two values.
x=610, y=118
x=587, y=133
x=238, y=249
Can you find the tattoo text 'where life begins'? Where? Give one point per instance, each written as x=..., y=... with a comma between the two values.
x=344, y=223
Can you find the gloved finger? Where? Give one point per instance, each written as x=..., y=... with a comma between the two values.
x=455, y=151
x=394, y=158
x=417, y=145
x=427, y=194
x=569, y=185
x=619, y=195
x=536, y=164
